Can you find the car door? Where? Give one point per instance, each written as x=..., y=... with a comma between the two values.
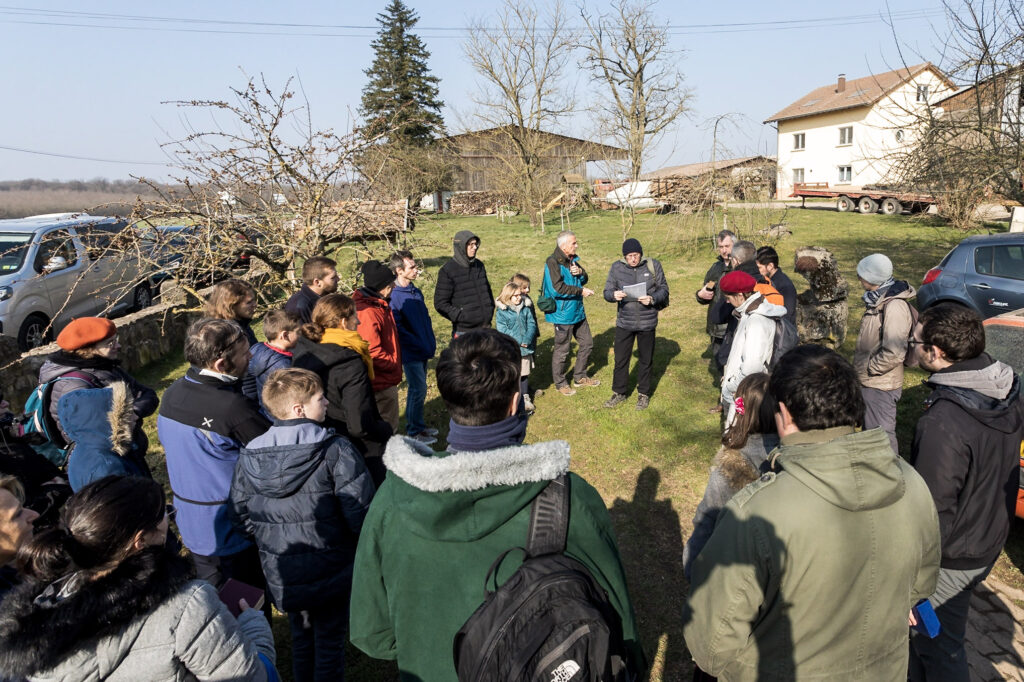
x=113, y=265
x=62, y=267
x=996, y=281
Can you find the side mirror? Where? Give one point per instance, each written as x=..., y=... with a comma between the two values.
x=54, y=264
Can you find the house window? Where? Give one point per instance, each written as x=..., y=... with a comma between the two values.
x=845, y=173
x=846, y=135
x=922, y=93
x=798, y=141
x=798, y=175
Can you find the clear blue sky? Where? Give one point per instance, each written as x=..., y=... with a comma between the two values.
x=87, y=78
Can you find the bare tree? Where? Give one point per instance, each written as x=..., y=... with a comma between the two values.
x=643, y=89
x=520, y=56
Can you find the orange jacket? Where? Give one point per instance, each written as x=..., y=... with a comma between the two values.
x=770, y=293
x=377, y=326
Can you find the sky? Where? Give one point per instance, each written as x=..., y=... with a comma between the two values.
x=93, y=79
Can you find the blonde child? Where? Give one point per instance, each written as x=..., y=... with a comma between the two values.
x=515, y=318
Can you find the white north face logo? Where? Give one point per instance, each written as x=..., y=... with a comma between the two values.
x=565, y=672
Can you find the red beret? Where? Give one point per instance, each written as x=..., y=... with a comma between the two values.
x=85, y=331
x=737, y=282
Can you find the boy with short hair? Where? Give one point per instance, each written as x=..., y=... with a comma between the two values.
x=282, y=331
x=302, y=492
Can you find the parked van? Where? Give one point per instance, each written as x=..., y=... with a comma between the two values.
x=56, y=267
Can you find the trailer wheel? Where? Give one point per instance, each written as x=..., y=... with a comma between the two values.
x=844, y=204
x=867, y=205
x=891, y=206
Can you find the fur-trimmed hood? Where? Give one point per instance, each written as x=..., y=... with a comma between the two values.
x=464, y=496
x=36, y=634
x=99, y=417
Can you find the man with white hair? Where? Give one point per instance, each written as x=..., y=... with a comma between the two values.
x=564, y=284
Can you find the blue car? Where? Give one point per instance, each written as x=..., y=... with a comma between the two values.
x=985, y=273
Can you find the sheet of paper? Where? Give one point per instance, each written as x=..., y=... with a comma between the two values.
x=635, y=291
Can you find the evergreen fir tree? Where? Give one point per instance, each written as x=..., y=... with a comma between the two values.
x=401, y=98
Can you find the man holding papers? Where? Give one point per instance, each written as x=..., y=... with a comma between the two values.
x=637, y=286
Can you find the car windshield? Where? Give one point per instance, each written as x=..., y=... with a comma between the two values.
x=13, y=247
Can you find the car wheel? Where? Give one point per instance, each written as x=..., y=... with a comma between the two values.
x=867, y=205
x=891, y=206
x=143, y=297
x=34, y=332
x=844, y=204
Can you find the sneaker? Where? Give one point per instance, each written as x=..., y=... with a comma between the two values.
x=642, y=401
x=567, y=390
x=424, y=438
x=586, y=381
x=429, y=431
x=538, y=393
x=614, y=400
x=528, y=405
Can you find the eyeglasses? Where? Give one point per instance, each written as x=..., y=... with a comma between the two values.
x=915, y=342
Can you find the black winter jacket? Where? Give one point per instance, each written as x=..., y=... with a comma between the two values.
x=302, y=303
x=784, y=285
x=351, y=410
x=967, y=449
x=463, y=295
x=302, y=493
x=714, y=274
x=633, y=315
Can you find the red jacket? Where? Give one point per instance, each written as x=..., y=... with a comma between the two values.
x=377, y=326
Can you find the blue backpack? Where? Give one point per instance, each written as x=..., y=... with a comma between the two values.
x=37, y=420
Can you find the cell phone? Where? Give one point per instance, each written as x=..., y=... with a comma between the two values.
x=927, y=621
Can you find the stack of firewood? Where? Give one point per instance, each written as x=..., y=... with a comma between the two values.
x=478, y=203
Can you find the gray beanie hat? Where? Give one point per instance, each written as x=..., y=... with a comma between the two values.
x=874, y=269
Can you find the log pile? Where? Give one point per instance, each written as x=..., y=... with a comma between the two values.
x=478, y=203
x=362, y=217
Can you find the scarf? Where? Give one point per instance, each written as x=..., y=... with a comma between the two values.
x=871, y=298
x=350, y=339
x=509, y=431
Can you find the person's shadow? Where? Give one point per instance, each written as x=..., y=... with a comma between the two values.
x=650, y=543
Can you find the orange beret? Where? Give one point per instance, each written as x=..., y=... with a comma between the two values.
x=85, y=331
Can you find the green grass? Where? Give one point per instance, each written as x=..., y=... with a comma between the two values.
x=651, y=467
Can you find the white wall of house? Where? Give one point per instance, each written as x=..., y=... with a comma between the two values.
x=880, y=132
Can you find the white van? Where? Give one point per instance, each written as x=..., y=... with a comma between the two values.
x=57, y=267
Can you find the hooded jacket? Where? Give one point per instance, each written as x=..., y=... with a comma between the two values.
x=99, y=424
x=302, y=493
x=752, y=344
x=265, y=361
x=146, y=620
x=351, y=409
x=722, y=312
x=462, y=294
x=882, y=341
x=377, y=327
x=812, y=570
x=435, y=527
x=633, y=315
x=415, y=330
x=967, y=449
x=565, y=288
x=519, y=323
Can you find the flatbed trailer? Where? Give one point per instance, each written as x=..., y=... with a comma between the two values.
x=864, y=200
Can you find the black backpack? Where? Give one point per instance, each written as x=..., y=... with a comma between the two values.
x=786, y=339
x=550, y=621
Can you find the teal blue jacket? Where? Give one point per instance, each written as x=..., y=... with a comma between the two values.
x=565, y=288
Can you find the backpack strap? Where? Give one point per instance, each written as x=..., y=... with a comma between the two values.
x=81, y=376
x=549, y=519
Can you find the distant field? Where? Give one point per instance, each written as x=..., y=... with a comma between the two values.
x=18, y=203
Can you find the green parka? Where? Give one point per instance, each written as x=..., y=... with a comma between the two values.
x=435, y=526
x=811, y=572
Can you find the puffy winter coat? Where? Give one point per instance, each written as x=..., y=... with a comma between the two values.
x=351, y=409
x=265, y=361
x=99, y=423
x=811, y=570
x=752, y=345
x=462, y=294
x=633, y=315
x=722, y=312
x=565, y=288
x=146, y=620
x=519, y=323
x=302, y=493
x=882, y=341
x=377, y=327
x=967, y=449
x=433, y=530
x=415, y=330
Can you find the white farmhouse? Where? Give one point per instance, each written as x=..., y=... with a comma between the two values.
x=848, y=134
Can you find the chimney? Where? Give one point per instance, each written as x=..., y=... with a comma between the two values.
x=841, y=83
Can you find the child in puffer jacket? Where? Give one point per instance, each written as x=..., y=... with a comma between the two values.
x=516, y=318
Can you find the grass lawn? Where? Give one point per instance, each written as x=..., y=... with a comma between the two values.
x=651, y=467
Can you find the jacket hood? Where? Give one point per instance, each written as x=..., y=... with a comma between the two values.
x=280, y=461
x=61, y=363
x=503, y=306
x=37, y=633
x=368, y=298
x=98, y=417
x=465, y=496
x=462, y=237
x=327, y=354
x=986, y=389
x=759, y=305
x=856, y=471
x=743, y=466
x=899, y=289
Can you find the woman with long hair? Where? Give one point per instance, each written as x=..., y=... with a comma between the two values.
x=103, y=598
x=742, y=459
x=233, y=299
x=333, y=349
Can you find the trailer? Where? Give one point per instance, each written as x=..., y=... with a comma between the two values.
x=864, y=200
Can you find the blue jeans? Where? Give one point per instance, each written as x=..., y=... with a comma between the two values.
x=318, y=641
x=416, y=377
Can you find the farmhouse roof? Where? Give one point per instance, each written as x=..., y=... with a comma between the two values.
x=692, y=170
x=857, y=93
x=595, y=150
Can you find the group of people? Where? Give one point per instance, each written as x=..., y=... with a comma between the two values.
x=812, y=546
